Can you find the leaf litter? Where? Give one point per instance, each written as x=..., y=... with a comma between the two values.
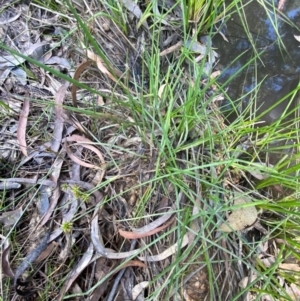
x=83, y=178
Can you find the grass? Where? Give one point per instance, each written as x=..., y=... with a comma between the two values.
x=165, y=143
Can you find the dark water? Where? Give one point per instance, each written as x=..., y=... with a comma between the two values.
x=269, y=77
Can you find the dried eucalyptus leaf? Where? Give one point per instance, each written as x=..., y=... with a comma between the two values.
x=262, y=171
x=10, y=218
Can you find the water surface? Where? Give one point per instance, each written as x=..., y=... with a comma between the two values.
x=263, y=61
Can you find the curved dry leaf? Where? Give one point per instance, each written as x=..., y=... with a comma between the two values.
x=111, y=254
x=5, y=252
x=82, y=264
x=10, y=218
x=140, y=234
x=32, y=181
x=101, y=66
x=11, y=19
x=246, y=280
x=171, y=49
x=134, y=8
x=59, y=121
x=70, y=199
x=53, y=202
x=158, y=15
x=31, y=257
x=3, y=76
x=60, y=61
x=43, y=203
x=195, y=46
x=297, y=38
x=96, y=239
x=268, y=261
x=75, y=171
x=84, y=143
x=161, y=90
x=240, y=218
x=281, y=4
x=131, y=263
x=76, y=76
x=57, y=165
x=260, y=171
x=77, y=160
x=21, y=132
x=51, y=248
x=36, y=153
x=9, y=185
x=153, y=225
x=37, y=50
x=167, y=253
x=195, y=228
x=20, y=74
x=139, y=288
x=290, y=266
x=10, y=61
x=293, y=291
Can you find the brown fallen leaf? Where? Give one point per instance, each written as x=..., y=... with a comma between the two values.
x=74, y=273
x=297, y=37
x=57, y=165
x=102, y=269
x=156, y=223
x=11, y=19
x=246, y=280
x=281, y=4
x=95, y=233
x=290, y=266
x=59, y=121
x=56, y=193
x=134, y=8
x=5, y=252
x=101, y=66
x=21, y=132
x=13, y=60
x=261, y=171
x=195, y=228
x=112, y=254
x=293, y=291
x=76, y=76
x=139, y=288
x=32, y=181
x=77, y=160
x=49, y=250
x=168, y=252
x=135, y=235
x=106, y=270
x=31, y=258
x=9, y=185
x=84, y=142
x=171, y=49
x=11, y=218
